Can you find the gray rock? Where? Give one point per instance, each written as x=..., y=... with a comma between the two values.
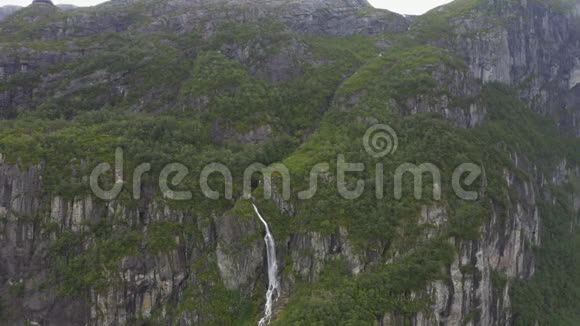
x=525, y=44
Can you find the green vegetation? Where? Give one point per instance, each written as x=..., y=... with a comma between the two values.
x=165, y=97
x=208, y=298
x=511, y=128
x=36, y=22
x=171, y=101
x=79, y=270
x=340, y=299
x=400, y=74
x=552, y=296
x=164, y=236
x=562, y=6
x=17, y=290
x=438, y=23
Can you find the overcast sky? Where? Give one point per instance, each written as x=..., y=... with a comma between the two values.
x=410, y=7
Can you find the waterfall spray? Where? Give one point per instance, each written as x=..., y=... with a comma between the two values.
x=273, y=285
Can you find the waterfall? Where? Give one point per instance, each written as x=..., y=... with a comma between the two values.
x=273, y=284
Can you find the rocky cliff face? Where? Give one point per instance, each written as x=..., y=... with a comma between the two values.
x=31, y=221
x=68, y=258
x=528, y=45
x=507, y=249
x=181, y=17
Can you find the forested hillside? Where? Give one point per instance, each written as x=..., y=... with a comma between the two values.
x=493, y=83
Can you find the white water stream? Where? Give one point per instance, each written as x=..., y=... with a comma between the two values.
x=273, y=284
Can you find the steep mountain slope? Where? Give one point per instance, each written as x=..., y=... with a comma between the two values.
x=6, y=11
x=489, y=82
x=528, y=45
